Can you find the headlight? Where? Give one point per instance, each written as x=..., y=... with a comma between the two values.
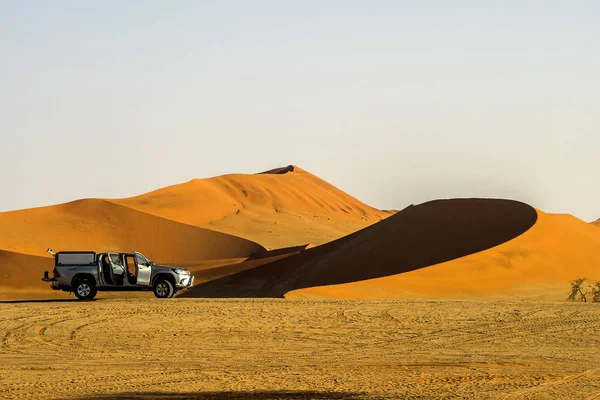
x=180, y=271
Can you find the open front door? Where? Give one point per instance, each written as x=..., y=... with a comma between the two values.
x=144, y=270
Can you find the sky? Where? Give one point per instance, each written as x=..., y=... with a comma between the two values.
x=395, y=102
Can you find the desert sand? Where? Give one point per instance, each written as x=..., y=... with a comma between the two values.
x=293, y=349
x=486, y=281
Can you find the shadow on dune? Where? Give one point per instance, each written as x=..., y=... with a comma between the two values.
x=263, y=254
x=46, y=301
x=259, y=395
x=415, y=237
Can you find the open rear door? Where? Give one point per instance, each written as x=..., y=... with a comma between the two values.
x=144, y=270
x=117, y=268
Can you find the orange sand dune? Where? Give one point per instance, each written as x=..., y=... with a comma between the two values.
x=414, y=238
x=20, y=276
x=279, y=208
x=537, y=265
x=101, y=226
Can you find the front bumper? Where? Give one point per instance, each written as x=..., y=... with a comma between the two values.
x=185, y=281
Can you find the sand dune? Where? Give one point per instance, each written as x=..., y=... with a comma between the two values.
x=20, y=276
x=537, y=265
x=279, y=208
x=414, y=238
x=102, y=226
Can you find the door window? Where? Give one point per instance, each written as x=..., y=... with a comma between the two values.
x=141, y=260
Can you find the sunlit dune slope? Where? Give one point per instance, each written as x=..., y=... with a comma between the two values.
x=279, y=208
x=537, y=265
x=416, y=237
x=99, y=225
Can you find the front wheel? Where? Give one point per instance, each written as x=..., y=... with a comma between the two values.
x=163, y=289
x=85, y=289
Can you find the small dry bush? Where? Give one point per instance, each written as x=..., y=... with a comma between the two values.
x=577, y=290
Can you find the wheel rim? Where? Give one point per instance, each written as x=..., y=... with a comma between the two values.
x=162, y=289
x=84, y=290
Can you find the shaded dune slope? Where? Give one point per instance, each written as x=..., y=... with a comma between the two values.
x=99, y=225
x=280, y=208
x=416, y=237
x=538, y=265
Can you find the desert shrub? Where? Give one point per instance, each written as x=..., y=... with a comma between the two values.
x=596, y=292
x=577, y=290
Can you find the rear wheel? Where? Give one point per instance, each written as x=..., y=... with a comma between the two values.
x=163, y=289
x=85, y=289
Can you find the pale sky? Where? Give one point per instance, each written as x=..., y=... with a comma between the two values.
x=394, y=102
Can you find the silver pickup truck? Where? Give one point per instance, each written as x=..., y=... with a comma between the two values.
x=86, y=272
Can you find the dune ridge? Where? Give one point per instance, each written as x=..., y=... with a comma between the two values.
x=414, y=238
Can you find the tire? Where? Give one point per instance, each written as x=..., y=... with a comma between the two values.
x=163, y=289
x=85, y=289
x=174, y=293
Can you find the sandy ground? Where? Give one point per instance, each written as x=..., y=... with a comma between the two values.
x=290, y=349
